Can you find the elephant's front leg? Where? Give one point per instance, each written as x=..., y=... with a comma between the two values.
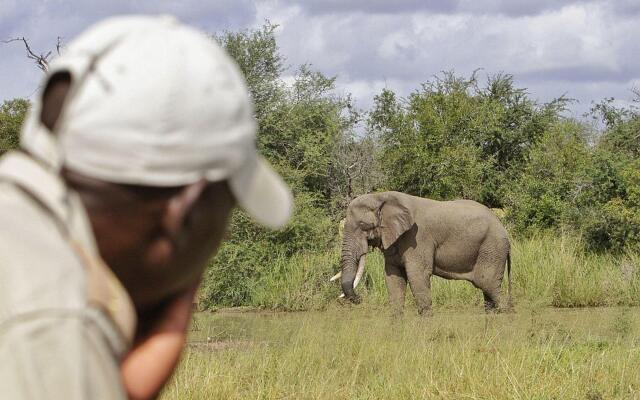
x=419, y=278
x=396, y=286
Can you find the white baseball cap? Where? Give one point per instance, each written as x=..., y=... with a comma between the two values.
x=153, y=102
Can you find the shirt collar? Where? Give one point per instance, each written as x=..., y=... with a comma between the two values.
x=39, y=181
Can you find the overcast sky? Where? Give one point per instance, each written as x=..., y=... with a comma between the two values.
x=587, y=50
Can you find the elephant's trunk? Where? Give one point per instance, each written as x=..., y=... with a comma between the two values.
x=349, y=262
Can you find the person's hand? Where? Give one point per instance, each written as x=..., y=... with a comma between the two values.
x=160, y=339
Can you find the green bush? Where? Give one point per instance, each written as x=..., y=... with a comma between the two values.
x=298, y=283
x=613, y=227
x=546, y=193
x=621, y=135
x=614, y=223
x=12, y=113
x=608, y=209
x=454, y=138
x=299, y=126
x=250, y=252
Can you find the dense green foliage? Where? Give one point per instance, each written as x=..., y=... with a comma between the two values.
x=300, y=127
x=546, y=193
x=493, y=144
x=587, y=182
x=12, y=113
x=612, y=198
x=455, y=139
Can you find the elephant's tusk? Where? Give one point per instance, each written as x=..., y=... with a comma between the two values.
x=336, y=276
x=360, y=271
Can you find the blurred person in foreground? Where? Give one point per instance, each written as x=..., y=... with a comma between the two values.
x=132, y=157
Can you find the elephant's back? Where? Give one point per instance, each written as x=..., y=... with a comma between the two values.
x=494, y=225
x=468, y=203
x=471, y=215
x=473, y=208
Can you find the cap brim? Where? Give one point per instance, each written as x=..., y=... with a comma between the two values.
x=262, y=193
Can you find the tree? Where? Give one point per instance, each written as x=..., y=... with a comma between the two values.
x=256, y=53
x=299, y=124
x=12, y=114
x=622, y=127
x=456, y=139
x=41, y=60
x=610, y=204
x=574, y=182
x=354, y=170
x=550, y=188
x=300, y=127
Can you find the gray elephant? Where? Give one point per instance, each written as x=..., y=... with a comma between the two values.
x=458, y=239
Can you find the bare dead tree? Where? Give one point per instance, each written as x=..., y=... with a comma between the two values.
x=354, y=169
x=42, y=60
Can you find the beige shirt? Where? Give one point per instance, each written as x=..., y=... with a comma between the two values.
x=65, y=320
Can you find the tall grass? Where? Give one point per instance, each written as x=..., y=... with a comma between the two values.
x=556, y=271
x=547, y=270
x=533, y=354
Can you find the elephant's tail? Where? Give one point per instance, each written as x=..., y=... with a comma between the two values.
x=509, y=278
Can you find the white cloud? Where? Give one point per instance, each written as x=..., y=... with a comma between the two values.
x=477, y=7
x=587, y=49
x=570, y=47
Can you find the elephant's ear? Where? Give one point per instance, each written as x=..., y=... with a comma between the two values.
x=395, y=219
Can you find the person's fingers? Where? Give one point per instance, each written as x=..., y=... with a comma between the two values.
x=147, y=367
x=150, y=363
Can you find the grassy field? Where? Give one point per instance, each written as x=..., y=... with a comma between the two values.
x=574, y=335
x=361, y=353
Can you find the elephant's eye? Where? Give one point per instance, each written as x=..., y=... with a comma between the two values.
x=366, y=226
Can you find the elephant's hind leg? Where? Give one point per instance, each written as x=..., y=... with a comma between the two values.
x=490, y=300
x=489, y=271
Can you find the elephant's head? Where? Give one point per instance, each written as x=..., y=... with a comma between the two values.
x=376, y=220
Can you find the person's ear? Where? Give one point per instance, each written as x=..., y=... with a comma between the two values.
x=179, y=206
x=174, y=219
